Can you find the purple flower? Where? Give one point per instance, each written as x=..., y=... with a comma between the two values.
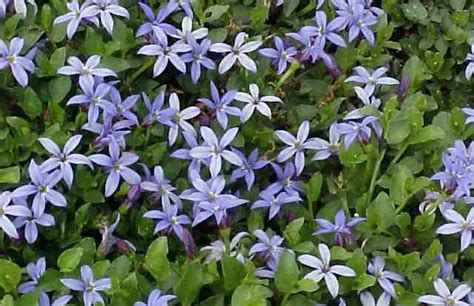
x=324, y=31
x=367, y=299
x=156, y=299
x=254, y=101
x=19, y=65
x=237, y=53
x=35, y=271
x=446, y=271
x=60, y=301
x=456, y=178
x=116, y=167
x=218, y=249
x=176, y=118
x=108, y=132
x=311, y=49
x=198, y=57
x=31, y=224
x=371, y=80
x=161, y=188
x=155, y=24
x=185, y=5
x=41, y=186
x=154, y=109
x=88, y=286
x=322, y=269
x=95, y=97
x=470, y=65
x=360, y=24
x=356, y=130
x=195, y=164
x=268, y=247
x=216, y=149
x=123, y=107
x=105, y=9
x=384, y=278
x=269, y=270
x=469, y=112
x=285, y=180
x=221, y=105
x=77, y=13
x=63, y=159
x=10, y=210
x=458, y=224
x=326, y=148
x=281, y=55
x=342, y=230
x=296, y=146
x=445, y=297
x=367, y=100
x=165, y=53
x=246, y=167
x=169, y=220
x=86, y=71
x=267, y=199
x=209, y=200
x=187, y=32
x=109, y=240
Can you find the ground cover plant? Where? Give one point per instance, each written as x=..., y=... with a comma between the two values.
x=236, y=152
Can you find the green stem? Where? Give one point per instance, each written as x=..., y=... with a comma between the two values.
x=148, y=63
x=375, y=175
x=309, y=8
x=294, y=66
x=397, y=157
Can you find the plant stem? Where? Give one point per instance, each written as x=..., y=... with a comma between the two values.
x=294, y=66
x=375, y=175
x=148, y=63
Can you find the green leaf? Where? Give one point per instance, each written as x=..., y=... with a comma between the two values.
x=290, y=6
x=457, y=5
x=190, y=284
x=398, y=187
x=28, y=299
x=115, y=64
x=69, y=259
x=10, y=275
x=10, y=175
x=251, y=295
x=291, y=232
x=50, y=280
x=398, y=131
x=59, y=87
x=428, y=133
x=233, y=272
x=365, y=281
x=30, y=103
x=414, y=11
x=313, y=187
x=215, y=12
x=287, y=273
x=156, y=260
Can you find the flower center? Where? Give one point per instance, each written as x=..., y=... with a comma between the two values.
x=12, y=59
x=173, y=220
x=215, y=150
x=118, y=167
x=297, y=144
x=450, y=301
x=86, y=71
x=43, y=189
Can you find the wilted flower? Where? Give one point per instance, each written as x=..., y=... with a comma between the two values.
x=10, y=58
x=237, y=53
x=360, y=131
x=89, y=288
x=445, y=297
x=109, y=240
x=218, y=249
x=324, y=270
